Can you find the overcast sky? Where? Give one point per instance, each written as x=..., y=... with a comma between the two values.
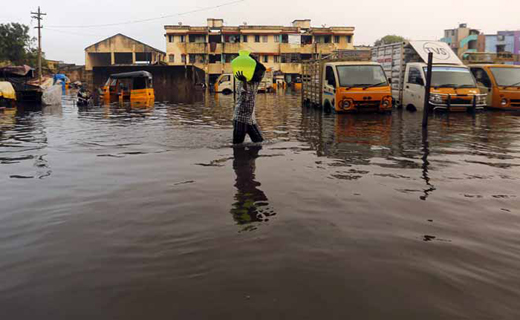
x=413, y=19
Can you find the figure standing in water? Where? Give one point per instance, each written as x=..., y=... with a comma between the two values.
x=244, y=121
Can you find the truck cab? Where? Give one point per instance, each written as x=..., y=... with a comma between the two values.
x=225, y=84
x=453, y=88
x=501, y=82
x=355, y=86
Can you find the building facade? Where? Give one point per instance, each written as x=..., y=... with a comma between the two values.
x=503, y=41
x=214, y=46
x=121, y=50
x=464, y=39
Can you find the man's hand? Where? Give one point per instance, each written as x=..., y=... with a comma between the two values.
x=240, y=76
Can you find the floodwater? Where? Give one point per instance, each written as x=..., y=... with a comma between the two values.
x=114, y=213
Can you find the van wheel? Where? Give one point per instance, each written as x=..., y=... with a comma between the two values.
x=411, y=108
x=327, y=108
x=227, y=91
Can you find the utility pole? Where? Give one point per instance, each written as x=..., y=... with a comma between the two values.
x=38, y=15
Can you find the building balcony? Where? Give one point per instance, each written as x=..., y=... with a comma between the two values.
x=194, y=47
x=291, y=48
x=325, y=48
x=231, y=48
x=290, y=67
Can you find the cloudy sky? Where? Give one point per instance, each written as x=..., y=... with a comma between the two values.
x=67, y=30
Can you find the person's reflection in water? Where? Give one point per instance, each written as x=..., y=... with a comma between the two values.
x=251, y=204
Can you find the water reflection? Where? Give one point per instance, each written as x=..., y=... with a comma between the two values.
x=426, y=152
x=251, y=204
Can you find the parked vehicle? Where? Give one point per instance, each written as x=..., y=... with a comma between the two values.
x=499, y=80
x=7, y=95
x=134, y=87
x=226, y=83
x=266, y=85
x=453, y=86
x=346, y=84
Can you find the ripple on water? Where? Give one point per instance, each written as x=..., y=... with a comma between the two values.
x=341, y=215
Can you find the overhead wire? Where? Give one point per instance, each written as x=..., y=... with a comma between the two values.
x=149, y=19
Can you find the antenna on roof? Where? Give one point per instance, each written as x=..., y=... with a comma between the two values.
x=180, y=23
x=245, y=23
x=323, y=25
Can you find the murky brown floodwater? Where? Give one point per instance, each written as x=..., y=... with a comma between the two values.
x=109, y=213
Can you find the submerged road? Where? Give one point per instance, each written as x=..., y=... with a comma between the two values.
x=114, y=213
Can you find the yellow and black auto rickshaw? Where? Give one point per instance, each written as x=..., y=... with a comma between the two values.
x=133, y=87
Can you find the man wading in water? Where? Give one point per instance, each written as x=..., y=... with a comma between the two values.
x=244, y=121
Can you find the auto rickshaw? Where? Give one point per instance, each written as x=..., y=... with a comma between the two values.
x=7, y=95
x=134, y=87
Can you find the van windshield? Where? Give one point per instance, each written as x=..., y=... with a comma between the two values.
x=507, y=77
x=361, y=76
x=452, y=77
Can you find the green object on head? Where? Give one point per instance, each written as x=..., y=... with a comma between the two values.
x=245, y=64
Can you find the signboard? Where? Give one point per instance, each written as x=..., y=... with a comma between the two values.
x=295, y=39
x=442, y=52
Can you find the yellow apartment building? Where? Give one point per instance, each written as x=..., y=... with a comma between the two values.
x=214, y=46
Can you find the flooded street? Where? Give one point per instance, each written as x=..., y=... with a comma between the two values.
x=114, y=213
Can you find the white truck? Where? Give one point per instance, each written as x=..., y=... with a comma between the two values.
x=226, y=83
x=453, y=87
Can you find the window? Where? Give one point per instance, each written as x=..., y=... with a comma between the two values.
x=276, y=38
x=139, y=83
x=481, y=77
x=265, y=59
x=451, y=77
x=229, y=57
x=225, y=78
x=257, y=38
x=361, y=76
x=290, y=58
x=264, y=39
x=414, y=75
x=306, y=40
x=170, y=38
x=171, y=58
x=349, y=39
x=329, y=76
x=192, y=58
x=183, y=58
x=277, y=59
x=183, y=38
x=506, y=76
x=244, y=38
x=336, y=39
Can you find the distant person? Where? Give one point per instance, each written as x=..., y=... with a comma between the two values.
x=244, y=121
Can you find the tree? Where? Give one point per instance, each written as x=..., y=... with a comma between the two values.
x=16, y=45
x=391, y=38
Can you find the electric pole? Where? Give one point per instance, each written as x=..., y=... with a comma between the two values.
x=38, y=15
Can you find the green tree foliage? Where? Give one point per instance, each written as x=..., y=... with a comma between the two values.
x=17, y=46
x=391, y=38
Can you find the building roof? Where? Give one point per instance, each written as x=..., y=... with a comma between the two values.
x=122, y=35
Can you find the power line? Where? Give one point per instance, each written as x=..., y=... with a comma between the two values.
x=74, y=33
x=152, y=19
